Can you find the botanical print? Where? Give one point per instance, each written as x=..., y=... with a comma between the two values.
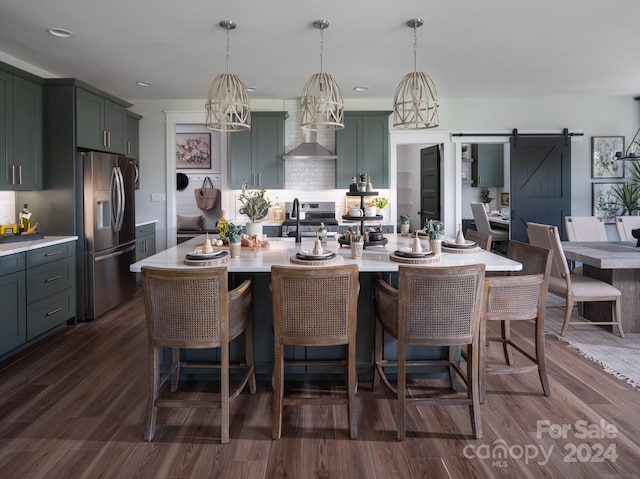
x=193, y=150
x=604, y=163
x=604, y=202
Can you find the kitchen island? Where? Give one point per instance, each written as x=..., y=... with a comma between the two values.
x=256, y=264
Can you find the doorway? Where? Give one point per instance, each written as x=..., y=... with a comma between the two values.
x=430, y=184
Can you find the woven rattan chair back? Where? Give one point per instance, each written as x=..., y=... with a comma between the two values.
x=314, y=307
x=483, y=240
x=433, y=307
x=192, y=308
x=522, y=297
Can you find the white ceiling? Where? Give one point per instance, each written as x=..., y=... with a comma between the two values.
x=470, y=48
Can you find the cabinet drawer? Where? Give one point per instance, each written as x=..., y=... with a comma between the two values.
x=48, y=279
x=49, y=254
x=145, y=230
x=50, y=312
x=11, y=263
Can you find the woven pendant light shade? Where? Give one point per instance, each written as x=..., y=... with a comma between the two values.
x=415, y=104
x=228, y=106
x=322, y=106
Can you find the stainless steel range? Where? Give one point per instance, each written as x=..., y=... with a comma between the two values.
x=312, y=213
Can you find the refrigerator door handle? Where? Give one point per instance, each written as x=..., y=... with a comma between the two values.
x=121, y=191
x=115, y=253
x=115, y=199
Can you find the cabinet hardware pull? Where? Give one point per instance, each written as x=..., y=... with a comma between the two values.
x=54, y=278
x=128, y=147
x=108, y=138
x=104, y=137
x=20, y=174
x=259, y=179
x=53, y=311
x=13, y=174
x=54, y=253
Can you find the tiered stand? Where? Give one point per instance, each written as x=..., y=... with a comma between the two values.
x=362, y=219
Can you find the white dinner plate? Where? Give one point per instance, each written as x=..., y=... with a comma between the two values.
x=310, y=253
x=196, y=254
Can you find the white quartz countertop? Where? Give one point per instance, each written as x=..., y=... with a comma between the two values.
x=374, y=258
x=20, y=246
x=145, y=221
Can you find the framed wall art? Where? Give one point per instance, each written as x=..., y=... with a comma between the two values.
x=504, y=199
x=605, y=205
x=193, y=151
x=604, y=163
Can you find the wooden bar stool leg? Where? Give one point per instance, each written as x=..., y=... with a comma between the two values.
x=402, y=390
x=278, y=392
x=377, y=354
x=505, y=327
x=248, y=346
x=154, y=380
x=352, y=384
x=541, y=357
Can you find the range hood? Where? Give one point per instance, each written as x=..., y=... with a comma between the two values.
x=310, y=149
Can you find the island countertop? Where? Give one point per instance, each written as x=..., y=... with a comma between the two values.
x=374, y=258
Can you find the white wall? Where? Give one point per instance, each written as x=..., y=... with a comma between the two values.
x=593, y=116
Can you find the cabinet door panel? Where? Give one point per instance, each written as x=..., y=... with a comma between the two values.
x=133, y=138
x=375, y=146
x=27, y=133
x=348, y=141
x=115, y=123
x=13, y=318
x=6, y=130
x=240, y=154
x=269, y=151
x=90, y=120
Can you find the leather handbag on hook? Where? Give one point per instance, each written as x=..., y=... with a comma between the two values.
x=207, y=196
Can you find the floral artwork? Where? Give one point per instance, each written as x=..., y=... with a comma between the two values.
x=193, y=150
x=605, y=205
x=604, y=163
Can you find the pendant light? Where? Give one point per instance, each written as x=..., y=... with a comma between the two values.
x=322, y=106
x=416, y=101
x=228, y=106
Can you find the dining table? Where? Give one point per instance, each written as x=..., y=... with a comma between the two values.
x=255, y=264
x=617, y=263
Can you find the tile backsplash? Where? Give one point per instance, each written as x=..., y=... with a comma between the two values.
x=7, y=207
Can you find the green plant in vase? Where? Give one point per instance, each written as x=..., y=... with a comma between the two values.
x=405, y=223
x=233, y=233
x=435, y=229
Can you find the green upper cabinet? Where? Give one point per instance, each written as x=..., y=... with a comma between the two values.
x=487, y=167
x=20, y=132
x=101, y=123
x=363, y=147
x=133, y=135
x=255, y=156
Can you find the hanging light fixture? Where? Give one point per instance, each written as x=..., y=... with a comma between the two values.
x=228, y=106
x=322, y=106
x=416, y=101
x=633, y=151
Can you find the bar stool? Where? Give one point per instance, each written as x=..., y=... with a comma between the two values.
x=314, y=307
x=431, y=307
x=192, y=308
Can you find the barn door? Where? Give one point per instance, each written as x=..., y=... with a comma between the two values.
x=540, y=183
x=430, y=208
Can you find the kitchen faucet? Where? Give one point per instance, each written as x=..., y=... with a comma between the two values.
x=295, y=212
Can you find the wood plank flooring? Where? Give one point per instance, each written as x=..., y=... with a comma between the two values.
x=73, y=406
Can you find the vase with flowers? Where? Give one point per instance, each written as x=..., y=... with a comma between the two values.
x=256, y=206
x=486, y=199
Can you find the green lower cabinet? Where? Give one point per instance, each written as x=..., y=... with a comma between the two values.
x=145, y=244
x=13, y=322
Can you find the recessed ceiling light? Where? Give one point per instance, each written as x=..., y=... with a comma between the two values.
x=60, y=32
x=361, y=88
x=145, y=83
x=252, y=88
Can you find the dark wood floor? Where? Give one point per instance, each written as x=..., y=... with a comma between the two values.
x=73, y=406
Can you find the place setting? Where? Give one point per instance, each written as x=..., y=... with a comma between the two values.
x=317, y=256
x=206, y=255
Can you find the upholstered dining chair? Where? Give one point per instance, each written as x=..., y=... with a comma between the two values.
x=585, y=228
x=481, y=220
x=519, y=296
x=431, y=307
x=192, y=308
x=314, y=306
x=573, y=287
x=625, y=225
x=483, y=240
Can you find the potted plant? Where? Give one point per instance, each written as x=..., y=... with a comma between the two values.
x=255, y=205
x=405, y=223
x=380, y=203
x=435, y=230
x=233, y=233
x=485, y=198
x=465, y=152
x=357, y=245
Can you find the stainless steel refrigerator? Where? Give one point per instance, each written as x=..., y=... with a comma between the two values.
x=107, y=217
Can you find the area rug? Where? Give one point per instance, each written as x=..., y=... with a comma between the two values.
x=618, y=356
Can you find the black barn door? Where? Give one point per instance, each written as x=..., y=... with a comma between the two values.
x=430, y=208
x=540, y=183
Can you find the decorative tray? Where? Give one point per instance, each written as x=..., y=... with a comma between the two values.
x=23, y=237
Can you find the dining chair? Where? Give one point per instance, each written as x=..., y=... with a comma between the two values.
x=625, y=225
x=193, y=309
x=573, y=287
x=430, y=307
x=585, y=228
x=518, y=296
x=314, y=306
x=483, y=240
x=481, y=220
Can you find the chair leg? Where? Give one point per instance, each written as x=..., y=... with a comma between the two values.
x=567, y=314
x=278, y=391
x=224, y=393
x=248, y=347
x=472, y=385
x=352, y=379
x=402, y=390
x=175, y=377
x=541, y=358
x=377, y=352
x=452, y=353
x=482, y=362
x=505, y=327
x=617, y=310
x=154, y=379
